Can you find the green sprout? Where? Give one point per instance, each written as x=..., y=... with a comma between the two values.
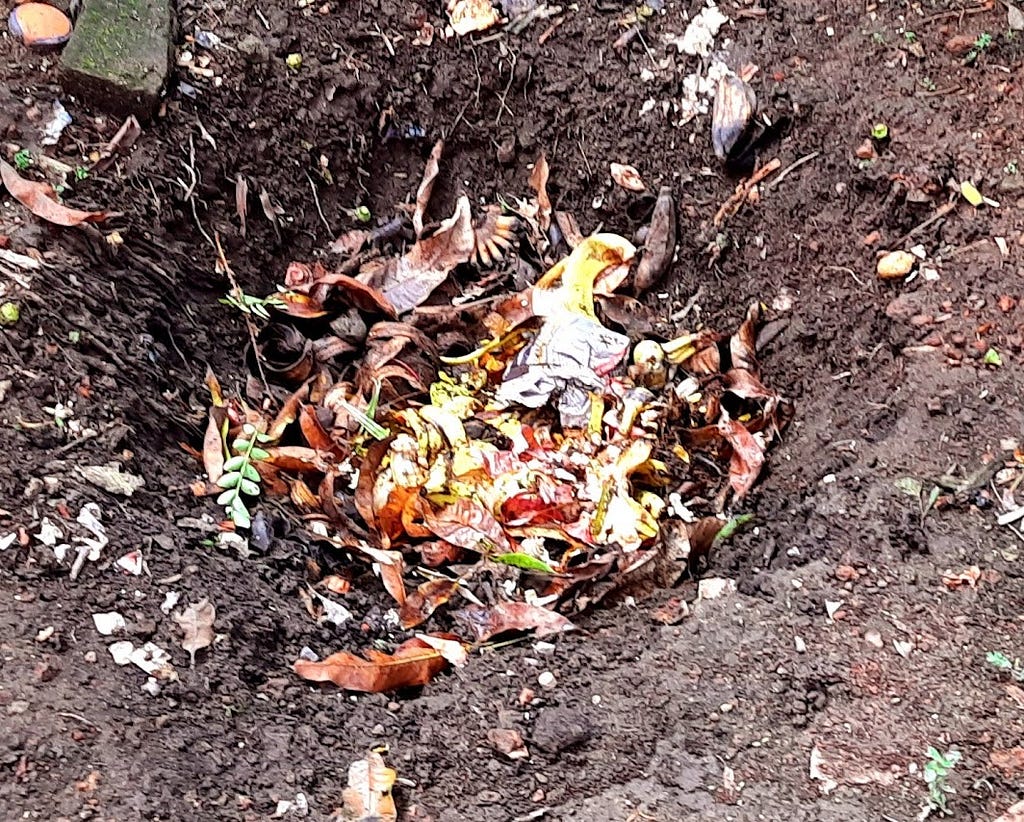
x=910, y=36
x=240, y=475
x=22, y=159
x=253, y=306
x=880, y=131
x=983, y=42
x=362, y=214
x=992, y=358
x=936, y=769
x=9, y=313
x=1001, y=662
x=81, y=173
x=928, y=84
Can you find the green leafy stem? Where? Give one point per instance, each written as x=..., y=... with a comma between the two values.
x=240, y=475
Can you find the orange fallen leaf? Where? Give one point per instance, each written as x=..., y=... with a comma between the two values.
x=747, y=456
x=39, y=198
x=539, y=183
x=422, y=602
x=413, y=663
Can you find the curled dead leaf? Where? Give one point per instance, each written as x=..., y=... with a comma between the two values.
x=627, y=177
x=40, y=199
x=409, y=280
x=484, y=622
x=423, y=193
x=413, y=663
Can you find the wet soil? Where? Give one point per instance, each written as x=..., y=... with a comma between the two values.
x=841, y=644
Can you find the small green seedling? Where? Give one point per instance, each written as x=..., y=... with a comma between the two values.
x=983, y=42
x=23, y=159
x=880, y=131
x=1001, y=662
x=928, y=84
x=992, y=357
x=248, y=304
x=240, y=475
x=362, y=213
x=81, y=173
x=910, y=36
x=936, y=769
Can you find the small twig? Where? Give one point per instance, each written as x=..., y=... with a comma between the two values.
x=742, y=192
x=941, y=212
x=549, y=31
x=79, y=718
x=792, y=167
x=319, y=210
x=249, y=324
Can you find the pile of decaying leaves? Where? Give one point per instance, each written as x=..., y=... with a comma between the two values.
x=512, y=455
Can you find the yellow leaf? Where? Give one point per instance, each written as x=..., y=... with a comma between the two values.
x=971, y=194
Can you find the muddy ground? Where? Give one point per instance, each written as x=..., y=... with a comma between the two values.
x=715, y=718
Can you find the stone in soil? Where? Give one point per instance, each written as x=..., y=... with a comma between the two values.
x=119, y=57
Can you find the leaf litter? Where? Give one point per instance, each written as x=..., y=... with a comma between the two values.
x=504, y=462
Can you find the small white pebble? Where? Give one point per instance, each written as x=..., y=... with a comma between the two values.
x=801, y=646
x=152, y=687
x=90, y=656
x=546, y=680
x=596, y=699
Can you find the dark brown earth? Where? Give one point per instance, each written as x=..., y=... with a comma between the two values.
x=886, y=378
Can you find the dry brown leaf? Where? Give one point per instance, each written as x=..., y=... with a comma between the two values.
x=213, y=444
x=350, y=242
x=409, y=280
x=539, y=183
x=627, y=177
x=485, y=623
x=467, y=16
x=467, y=524
x=368, y=795
x=39, y=198
x=660, y=246
x=196, y=622
x=747, y=456
x=413, y=663
x=426, y=599
x=426, y=188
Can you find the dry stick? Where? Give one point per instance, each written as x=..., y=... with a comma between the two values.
x=320, y=211
x=249, y=325
x=941, y=212
x=733, y=204
x=783, y=174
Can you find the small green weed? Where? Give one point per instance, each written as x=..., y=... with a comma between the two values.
x=1001, y=662
x=936, y=769
x=240, y=475
x=251, y=305
x=23, y=159
x=910, y=36
x=983, y=42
